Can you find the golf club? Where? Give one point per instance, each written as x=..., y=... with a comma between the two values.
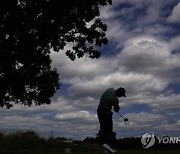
x=125, y=119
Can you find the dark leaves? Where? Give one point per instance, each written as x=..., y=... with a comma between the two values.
x=29, y=29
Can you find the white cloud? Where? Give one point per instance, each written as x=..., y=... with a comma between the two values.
x=145, y=17
x=76, y=116
x=175, y=42
x=163, y=103
x=138, y=124
x=147, y=54
x=175, y=16
x=141, y=64
x=15, y=122
x=170, y=127
x=157, y=29
x=107, y=12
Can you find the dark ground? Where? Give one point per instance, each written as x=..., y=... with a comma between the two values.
x=30, y=143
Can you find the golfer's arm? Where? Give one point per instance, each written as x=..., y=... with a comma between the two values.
x=116, y=106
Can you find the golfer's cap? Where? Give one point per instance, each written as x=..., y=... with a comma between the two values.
x=122, y=91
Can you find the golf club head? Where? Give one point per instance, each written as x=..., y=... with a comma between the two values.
x=125, y=119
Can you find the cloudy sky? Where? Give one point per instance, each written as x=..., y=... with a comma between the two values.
x=142, y=56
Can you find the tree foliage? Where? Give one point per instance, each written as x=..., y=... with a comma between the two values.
x=29, y=29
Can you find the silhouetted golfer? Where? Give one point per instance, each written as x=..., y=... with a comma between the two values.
x=108, y=100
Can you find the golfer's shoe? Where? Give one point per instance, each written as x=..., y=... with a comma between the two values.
x=108, y=148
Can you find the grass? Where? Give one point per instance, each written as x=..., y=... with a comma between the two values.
x=30, y=143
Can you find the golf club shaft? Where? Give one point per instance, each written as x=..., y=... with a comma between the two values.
x=121, y=116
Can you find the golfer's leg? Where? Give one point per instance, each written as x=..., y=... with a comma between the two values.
x=102, y=122
x=109, y=128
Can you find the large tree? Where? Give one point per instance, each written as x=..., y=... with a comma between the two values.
x=29, y=29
